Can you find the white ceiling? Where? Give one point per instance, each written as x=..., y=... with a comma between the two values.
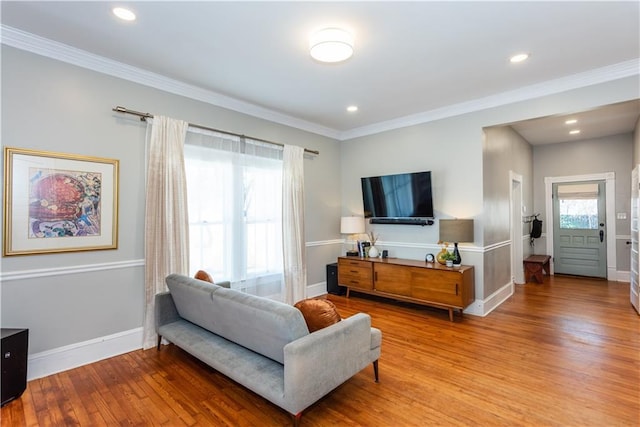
x=412, y=61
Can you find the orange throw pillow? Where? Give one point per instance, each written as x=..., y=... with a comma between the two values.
x=318, y=313
x=203, y=275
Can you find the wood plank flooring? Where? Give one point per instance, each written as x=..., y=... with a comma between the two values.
x=562, y=353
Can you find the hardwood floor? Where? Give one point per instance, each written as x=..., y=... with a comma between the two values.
x=562, y=353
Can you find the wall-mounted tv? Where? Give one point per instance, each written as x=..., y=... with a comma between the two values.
x=405, y=195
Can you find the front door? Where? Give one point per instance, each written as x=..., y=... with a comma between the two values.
x=579, y=243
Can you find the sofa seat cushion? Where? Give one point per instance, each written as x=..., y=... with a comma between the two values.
x=318, y=313
x=254, y=371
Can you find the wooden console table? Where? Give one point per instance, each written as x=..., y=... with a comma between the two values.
x=409, y=280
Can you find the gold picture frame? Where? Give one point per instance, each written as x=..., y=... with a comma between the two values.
x=56, y=202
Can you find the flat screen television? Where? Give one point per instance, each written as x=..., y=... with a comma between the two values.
x=405, y=195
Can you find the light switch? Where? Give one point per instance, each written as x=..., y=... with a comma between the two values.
x=621, y=215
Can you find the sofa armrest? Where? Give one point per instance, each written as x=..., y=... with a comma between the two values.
x=319, y=362
x=165, y=309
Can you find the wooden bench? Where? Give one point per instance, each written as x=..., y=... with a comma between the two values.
x=534, y=265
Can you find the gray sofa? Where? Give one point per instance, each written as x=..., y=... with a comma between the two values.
x=263, y=344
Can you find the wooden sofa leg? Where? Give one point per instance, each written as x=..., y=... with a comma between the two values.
x=375, y=370
x=159, y=341
x=296, y=419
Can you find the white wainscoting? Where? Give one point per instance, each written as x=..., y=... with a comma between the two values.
x=72, y=356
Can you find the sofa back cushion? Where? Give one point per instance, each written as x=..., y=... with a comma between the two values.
x=192, y=298
x=259, y=324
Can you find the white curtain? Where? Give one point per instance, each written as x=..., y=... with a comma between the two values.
x=166, y=218
x=295, y=270
x=235, y=211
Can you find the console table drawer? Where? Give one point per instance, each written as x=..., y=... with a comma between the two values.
x=355, y=273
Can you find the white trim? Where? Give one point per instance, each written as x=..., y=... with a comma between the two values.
x=610, y=190
x=484, y=307
x=623, y=276
x=325, y=242
x=72, y=356
x=65, y=53
x=61, y=52
x=497, y=245
x=316, y=290
x=74, y=269
x=517, y=253
x=575, y=81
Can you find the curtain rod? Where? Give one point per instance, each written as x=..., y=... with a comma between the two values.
x=145, y=116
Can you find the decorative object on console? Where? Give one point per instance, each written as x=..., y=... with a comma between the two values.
x=352, y=225
x=373, y=251
x=456, y=231
x=429, y=258
x=449, y=258
x=440, y=257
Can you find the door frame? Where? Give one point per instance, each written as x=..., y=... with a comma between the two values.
x=610, y=197
x=515, y=204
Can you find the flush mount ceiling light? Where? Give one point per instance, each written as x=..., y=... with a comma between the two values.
x=124, y=14
x=352, y=108
x=574, y=132
x=571, y=122
x=519, y=57
x=331, y=45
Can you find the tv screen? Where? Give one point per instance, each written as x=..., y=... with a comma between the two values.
x=406, y=195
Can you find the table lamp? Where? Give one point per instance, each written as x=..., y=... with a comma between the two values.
x=352, y=225
x=456, y=231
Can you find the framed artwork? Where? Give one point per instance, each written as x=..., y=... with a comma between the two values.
x=55, y=202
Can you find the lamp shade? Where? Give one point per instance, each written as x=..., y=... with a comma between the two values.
x=351, y=225
x=456, y=230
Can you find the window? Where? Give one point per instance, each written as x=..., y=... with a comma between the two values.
x=578, y=206
x=235, y=211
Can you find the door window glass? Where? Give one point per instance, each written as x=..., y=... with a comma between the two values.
x=578, y=205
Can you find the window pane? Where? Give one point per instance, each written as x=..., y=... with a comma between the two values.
x=579, y=214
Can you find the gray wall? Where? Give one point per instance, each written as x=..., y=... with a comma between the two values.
x=53, y=106
x=608, y=154
x=452, y=149
x=66, y=299
x=504, y=151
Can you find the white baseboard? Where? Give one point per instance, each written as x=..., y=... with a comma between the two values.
x=72, y=356
x=623, y=276
x=486, y=306
x=317, y=290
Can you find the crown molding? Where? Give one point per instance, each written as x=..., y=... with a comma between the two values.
x=61, y=52
x=575, y=81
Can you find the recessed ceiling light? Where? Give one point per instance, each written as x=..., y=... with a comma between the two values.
x=352, y=108
x=331, y=45
x=124, y=14
x=574, y=132
x=571, y=122
x=519, y=57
